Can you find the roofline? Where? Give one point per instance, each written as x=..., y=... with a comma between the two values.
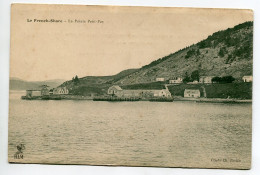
x=192, y=89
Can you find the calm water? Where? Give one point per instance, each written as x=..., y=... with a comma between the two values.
x=177, y=134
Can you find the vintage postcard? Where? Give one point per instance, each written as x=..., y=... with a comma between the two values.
x=131, y=86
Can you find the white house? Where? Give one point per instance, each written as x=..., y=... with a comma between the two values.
x=193, y=82
x=248, y=78
x=175, y=80
x=162, y=93
x=191, y=93
x=60, y=90
x=159, y=79
x=206, y=79
x=114, y=90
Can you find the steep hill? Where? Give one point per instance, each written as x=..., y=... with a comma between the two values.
x=228, y=52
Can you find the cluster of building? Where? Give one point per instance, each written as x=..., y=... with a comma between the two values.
x=117, y=91
x=202, y=80
x=195, y=93
x=44, y=91
x=178, y=80
x=138, y=93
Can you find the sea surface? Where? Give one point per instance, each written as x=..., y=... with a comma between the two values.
x=168, y=134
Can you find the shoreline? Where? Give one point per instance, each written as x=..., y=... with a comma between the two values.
x=175, y=99
x=213, y=100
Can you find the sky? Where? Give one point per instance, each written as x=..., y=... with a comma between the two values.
x=104, y=40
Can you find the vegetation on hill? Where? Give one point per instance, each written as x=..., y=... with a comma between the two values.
x=227, y=90
x=87, y=90
x=225, y=79
x=146, y=86
x=224, y=53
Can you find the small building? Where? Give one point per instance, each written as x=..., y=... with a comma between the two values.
x=193, y=82
x=38, y=92
x=248, y=78
x=33, y=93
x=162, y=93
x=176, y=80
x=114, y=90
x=206, y=79
x=60, y=90
x=191, y=93
x=44, y=90
x=160, y=79
x=51, y=91
x=93, y=95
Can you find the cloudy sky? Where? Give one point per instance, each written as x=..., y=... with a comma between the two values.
x=111, y=39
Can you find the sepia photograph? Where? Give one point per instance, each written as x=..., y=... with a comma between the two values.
x=131, y=86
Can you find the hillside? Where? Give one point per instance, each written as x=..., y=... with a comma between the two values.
x=228, y=52
x=95, y=84
x=18, y=84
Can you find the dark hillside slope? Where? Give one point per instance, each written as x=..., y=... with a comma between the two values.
x=228, y=52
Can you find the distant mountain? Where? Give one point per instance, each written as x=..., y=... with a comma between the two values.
x=19, y=84
x=228, y=52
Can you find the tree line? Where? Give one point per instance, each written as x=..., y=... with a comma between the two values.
x=195, y=76
x=75, y=79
